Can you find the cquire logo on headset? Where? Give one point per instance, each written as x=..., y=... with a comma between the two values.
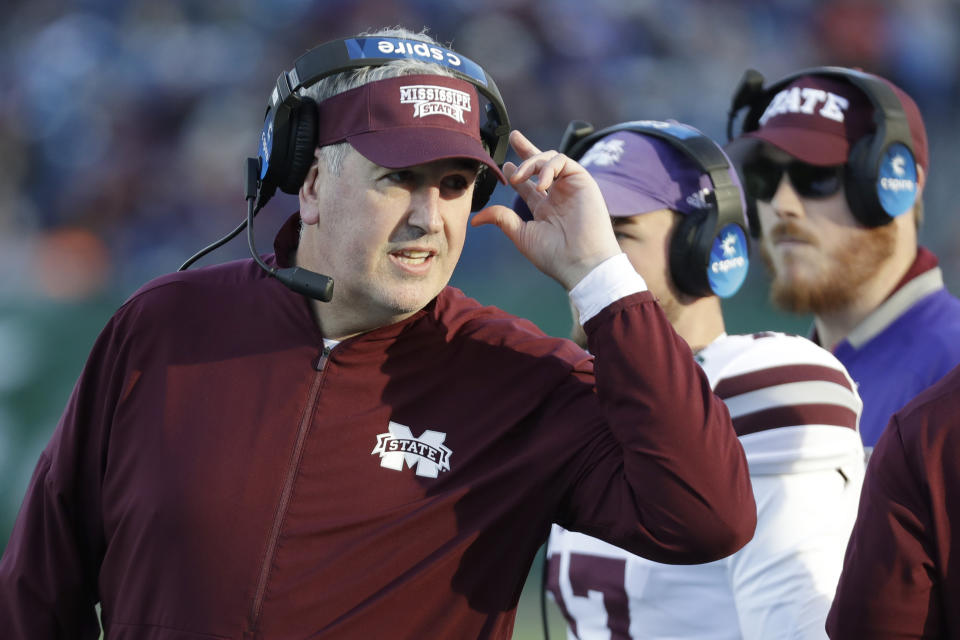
x=896, y=183
x=722, y=266
x=266, y=143
x=897, y=186
x=675, y=129
x=420, y=49
x=728, y=261
x=401, y=48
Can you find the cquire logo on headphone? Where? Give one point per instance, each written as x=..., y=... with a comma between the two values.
x=728, y=261
x=401, y=48
x=266, y=143
x=897, y=186
x=420, y=49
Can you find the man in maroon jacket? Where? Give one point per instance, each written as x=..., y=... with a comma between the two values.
x=238, y=460
x=900, y=576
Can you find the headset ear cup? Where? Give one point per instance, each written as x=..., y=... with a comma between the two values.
x=749, y=205
x=483, y=189
x=753, y=217
x=304, y=140
x=689, y=253
x=860, y=185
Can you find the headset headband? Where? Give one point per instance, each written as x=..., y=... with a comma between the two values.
x=699, y=148
x=889, y=117
x=874, y=162
x=288, y=136
x=337, y=56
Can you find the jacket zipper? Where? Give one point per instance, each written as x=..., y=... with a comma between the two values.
x=281, y=512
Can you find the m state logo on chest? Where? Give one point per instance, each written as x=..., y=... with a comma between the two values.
x=427, y=453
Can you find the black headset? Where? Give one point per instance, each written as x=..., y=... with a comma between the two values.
x=289, y=134
x=868, y=165
x=693, y=266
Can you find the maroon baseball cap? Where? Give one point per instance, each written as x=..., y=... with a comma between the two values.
x=407, y=120
x=818, y=118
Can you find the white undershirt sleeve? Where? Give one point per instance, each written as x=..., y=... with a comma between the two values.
x=612, y=279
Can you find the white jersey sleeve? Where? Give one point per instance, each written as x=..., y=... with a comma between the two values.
x=606, y=593
x=784, y=579
x=786, y=397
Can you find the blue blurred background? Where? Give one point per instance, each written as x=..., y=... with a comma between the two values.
x=124, y=125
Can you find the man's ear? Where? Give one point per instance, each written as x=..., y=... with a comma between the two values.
x=921, y=180
x=309, y=191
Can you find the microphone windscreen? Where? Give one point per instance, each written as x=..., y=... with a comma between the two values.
x=308, y=283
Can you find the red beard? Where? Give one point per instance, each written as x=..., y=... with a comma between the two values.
x=836, y=283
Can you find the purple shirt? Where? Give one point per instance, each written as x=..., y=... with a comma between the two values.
x=904, y=346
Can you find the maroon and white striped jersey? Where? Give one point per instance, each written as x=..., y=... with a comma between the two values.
x=787, y=397
x=796, y=411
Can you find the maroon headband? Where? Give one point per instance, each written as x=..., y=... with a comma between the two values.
x=407, y=120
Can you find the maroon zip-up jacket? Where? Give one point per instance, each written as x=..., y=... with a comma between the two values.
x=217, y=474
x=900, y=576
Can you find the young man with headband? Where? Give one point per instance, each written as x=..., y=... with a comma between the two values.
x=835, y=161
x=667, y=188
x=241, y=461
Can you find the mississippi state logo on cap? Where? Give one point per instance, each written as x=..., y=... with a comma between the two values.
x=429, y=100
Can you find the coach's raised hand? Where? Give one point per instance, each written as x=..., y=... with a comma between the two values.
x=570, y=233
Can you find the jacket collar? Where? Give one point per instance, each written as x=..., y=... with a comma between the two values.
x=921, y=279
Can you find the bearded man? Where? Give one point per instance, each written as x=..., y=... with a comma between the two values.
x=834, y=161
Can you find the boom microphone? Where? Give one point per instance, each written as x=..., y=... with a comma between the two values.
x=576, y=131
x=308, y=283
x=749, y=89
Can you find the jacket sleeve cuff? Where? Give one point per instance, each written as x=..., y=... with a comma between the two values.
x=612, y=279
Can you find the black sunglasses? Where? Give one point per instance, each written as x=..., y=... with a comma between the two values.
x=762, y=177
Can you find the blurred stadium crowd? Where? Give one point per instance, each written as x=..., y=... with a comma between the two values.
x=124, y=124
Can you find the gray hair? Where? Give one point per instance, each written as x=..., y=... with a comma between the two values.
x=330, y=86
